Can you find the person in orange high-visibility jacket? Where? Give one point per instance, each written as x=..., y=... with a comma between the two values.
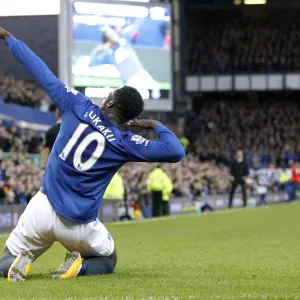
x=295, y=179
x=160, y=186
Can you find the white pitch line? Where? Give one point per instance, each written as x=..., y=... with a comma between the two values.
x=182, y=216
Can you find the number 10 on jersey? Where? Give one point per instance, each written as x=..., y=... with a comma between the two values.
x=77, y=159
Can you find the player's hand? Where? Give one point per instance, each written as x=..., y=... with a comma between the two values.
x=4, y=34
x=144, y=123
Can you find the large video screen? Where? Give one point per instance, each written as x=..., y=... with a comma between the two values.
x=116, y=44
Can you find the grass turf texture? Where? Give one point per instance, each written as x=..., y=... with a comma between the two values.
x=246, y=254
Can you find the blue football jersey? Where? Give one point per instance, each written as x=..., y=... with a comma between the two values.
x=90, y=148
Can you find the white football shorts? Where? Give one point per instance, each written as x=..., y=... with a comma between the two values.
x=39, y=227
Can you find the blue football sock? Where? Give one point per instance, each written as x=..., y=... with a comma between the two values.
x=99, y=265
x=5, y=263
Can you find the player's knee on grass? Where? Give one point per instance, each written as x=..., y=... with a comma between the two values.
x=98, y=265
x=114, y=257
x=6, y=261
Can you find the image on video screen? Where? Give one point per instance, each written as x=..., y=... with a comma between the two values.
x=118, y=44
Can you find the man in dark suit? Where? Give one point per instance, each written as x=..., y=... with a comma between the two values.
x=239, y=171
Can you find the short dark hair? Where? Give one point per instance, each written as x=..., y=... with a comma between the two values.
x=129, y=102
x=105, y=37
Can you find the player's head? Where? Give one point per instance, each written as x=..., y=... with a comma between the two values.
x=110, y=35
x=239, y=154
x=126, y=103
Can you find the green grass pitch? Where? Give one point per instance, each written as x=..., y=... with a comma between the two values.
x=244, y=254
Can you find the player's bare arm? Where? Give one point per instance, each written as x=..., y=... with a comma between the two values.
x=144, y=123
x=4, y=34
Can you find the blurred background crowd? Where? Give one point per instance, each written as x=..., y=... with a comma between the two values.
x=20, y=180
x=265, y=125
x=239, y=40
x=25, y=93
x=19, y=140
x=212, y=133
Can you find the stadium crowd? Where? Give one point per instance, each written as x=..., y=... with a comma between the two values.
x=24, y=93
x=19, y=140
x=190, y=178
x=266, y=129
x=18, y=174
x=265, y=126
x=242, y=40
x=19, y=179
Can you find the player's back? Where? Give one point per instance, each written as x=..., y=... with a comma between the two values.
x=88, y=151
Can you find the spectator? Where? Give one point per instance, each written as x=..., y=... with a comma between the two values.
x=295, y=180
x=239, y=172
x=160, y=186
x=24, y=93
x=283, y=180
x=15, y=139
x=19, y=180
x=265, y=125
x=262, y=189
x=242, y=40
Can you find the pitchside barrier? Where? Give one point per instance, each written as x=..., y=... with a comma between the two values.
x=110, y=210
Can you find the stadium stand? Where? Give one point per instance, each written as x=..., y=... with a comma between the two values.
x=20, y=179
x=19, y=140
x=264, y=125
x=188, y=176
x=20, y=167
x=25, y=93
x=16, y=144
x=242, y=40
